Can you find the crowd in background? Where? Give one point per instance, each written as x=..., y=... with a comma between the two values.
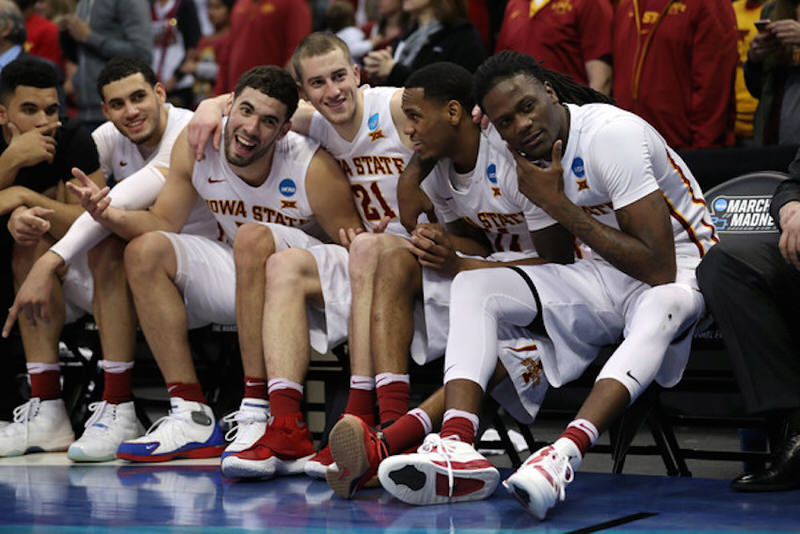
x=701, y=72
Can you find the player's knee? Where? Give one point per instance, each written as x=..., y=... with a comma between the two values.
x=106, y=256
x=670, y=308
x=398, y=269
x=289, y=272
x=252, y=245
x=471, y=288
x=365, y=252
x=145, y=254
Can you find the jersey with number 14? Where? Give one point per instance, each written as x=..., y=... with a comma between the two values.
x=281, y=199
x=373, y=160
x=491, y=201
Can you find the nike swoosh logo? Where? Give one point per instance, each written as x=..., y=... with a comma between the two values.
x=255, y=383
x=633, y=377
x=213, y=181
x=150, y=446
x=123, y=163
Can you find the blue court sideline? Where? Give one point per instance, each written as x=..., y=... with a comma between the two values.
x=43, y=495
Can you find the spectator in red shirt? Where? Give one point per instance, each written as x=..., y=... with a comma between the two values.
x=42, y=37
x=568, y=36
x=263, y=32
x=674, y=65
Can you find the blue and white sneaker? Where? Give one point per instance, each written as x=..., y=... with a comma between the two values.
x=248, y=424
x=188, y=431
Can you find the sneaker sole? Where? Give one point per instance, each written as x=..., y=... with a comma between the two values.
x=318, y=470
x=532, y=499
x=78, y=455
x=346, y=441
x=426, y=483
x=213, y=451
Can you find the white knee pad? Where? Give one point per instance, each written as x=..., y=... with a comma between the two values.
x=659, y=316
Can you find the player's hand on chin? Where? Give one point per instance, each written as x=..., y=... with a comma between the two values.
x=434, y=249
x=543, y=186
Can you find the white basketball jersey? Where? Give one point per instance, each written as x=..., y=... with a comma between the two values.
x=490, y=199
x=614, y=158
x=120, y=157
x=281, y=199
x=373, y=160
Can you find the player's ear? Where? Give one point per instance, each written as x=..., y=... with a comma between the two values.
x=161, y=92
x=285, y=128
x=551, y=92
x=454, y=112
x=104, y=109
x=3, y=115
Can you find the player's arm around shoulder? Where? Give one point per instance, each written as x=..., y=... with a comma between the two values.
x=301, y=120
x=177, y=198
x=330, y=196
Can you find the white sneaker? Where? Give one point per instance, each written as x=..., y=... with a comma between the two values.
x=38, y=426
x=541, y=481
x=443, y=470
x=188, y=431
x=109, y=425
x=248, y=424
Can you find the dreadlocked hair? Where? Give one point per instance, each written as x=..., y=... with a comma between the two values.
x=508, y=64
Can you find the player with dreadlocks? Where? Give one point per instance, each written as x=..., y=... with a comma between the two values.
x=631, y=201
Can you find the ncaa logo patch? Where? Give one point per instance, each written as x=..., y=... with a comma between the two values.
x=577, y=167
x=491, y=173
x=287, y=187
x=373, y=121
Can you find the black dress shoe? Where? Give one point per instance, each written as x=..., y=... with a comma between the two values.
x=782, y=474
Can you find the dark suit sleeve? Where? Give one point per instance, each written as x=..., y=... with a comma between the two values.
x=788, y=190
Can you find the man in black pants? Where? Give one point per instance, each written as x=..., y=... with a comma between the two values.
x=753, y=290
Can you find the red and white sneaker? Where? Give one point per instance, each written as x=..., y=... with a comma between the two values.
x=319, y=463
x=284, y=449
x=443, y=470
x=357, y=449
x=541, y=481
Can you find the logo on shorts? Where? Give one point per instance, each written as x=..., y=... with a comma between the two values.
x=491, y=173
x=287, y=187
x=743, y=214
x=577, y=167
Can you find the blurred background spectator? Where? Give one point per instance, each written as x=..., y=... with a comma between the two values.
x=391, y=24
x=572, y=37
x=12, y=32
x=203, y=65
x=176, y=32
x=674, y=65
x=96, y=32
x=265, y=32
x=747, y=12
x=772, y=74
x=42, y=39
x=340, y=20
x=441, y=32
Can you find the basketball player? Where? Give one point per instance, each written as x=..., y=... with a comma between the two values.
x=474, y=181
x=627, y=196
x=140, y=131
x=263, y=174
x=362, y=129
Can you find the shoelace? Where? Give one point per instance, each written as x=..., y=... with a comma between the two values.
x=98, y=411
x=238, y=419
x=444, y=447
x=559, y=469
x=26, y=412
x=172, y=415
